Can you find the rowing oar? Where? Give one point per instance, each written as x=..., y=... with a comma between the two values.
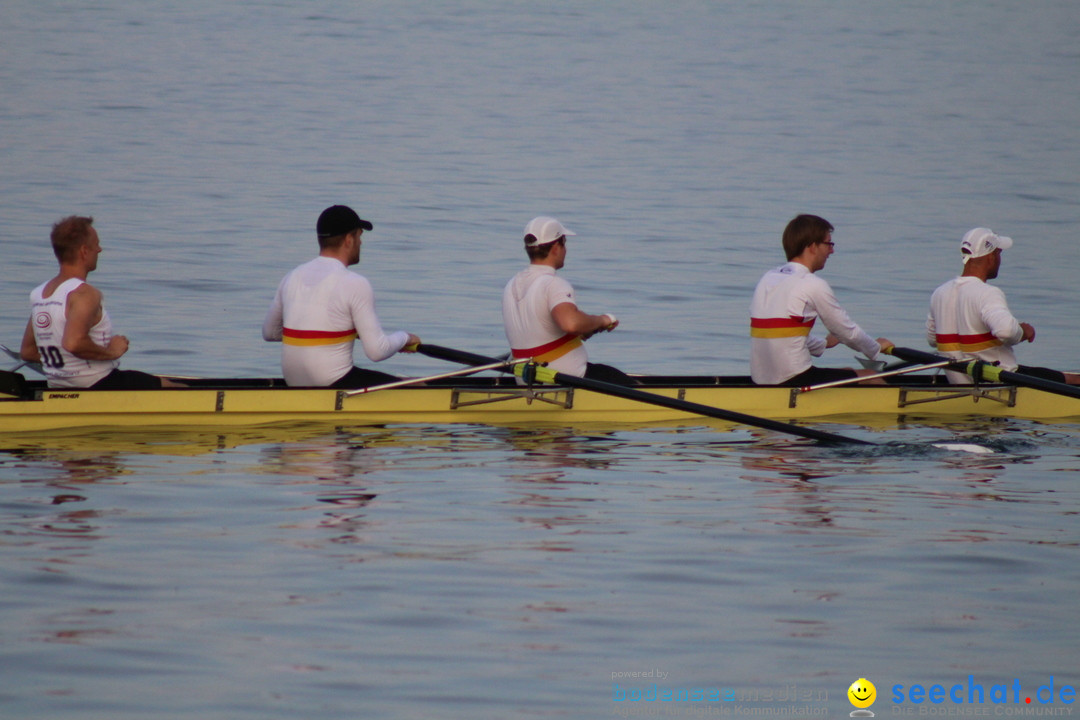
x=888, y=373
x=36, y=367
x=547, y=375
x=406, y=382
x=984, y=372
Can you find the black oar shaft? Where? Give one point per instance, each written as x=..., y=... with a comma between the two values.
x=468, y=358
x=990, y=373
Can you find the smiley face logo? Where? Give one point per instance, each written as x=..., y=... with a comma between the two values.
x=862, y=693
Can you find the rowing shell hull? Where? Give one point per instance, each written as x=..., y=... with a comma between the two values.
x=478, y=404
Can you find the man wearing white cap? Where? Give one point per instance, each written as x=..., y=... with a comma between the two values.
x=541, y=316
x=969, y=319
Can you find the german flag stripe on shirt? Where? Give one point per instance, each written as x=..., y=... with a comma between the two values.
x=549, y=351
x=316, y=337
x=780, y=327
x=954, y=342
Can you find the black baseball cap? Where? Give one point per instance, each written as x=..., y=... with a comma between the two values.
x=339, y=220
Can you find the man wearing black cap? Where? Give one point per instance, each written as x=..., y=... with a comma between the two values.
x=321, y=307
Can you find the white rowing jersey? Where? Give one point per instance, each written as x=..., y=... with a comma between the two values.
x=319, y=309
x=532, y=332
x=48, y=315
x=787, y=302
x=969, y=320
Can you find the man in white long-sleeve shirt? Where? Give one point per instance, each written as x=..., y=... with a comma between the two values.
x=321, y=307
x=969, y=319
x=788, y=301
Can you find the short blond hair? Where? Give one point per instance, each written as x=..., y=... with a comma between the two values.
x=69, y=234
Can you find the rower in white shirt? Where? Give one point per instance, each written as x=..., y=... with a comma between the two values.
x=540, y=313
x=970, y=320
x=321, y=308
x=789, y=300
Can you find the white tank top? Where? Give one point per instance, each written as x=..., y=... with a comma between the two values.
x=48, y=315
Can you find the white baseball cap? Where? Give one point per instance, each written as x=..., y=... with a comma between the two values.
x=545, y=230
x=982, y=241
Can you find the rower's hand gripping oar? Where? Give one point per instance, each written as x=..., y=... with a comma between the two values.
x=547, y=375
x=984, y=372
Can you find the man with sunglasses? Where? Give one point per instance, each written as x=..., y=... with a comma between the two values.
x=788, y=301
x=541, y=316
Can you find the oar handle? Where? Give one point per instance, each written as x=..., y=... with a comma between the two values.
x=460, y=356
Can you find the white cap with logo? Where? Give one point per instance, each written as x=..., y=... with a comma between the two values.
x=545, y=230
x=982, y=241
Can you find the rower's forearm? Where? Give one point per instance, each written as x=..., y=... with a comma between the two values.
x=91, y=352
x=599, y=322
x=29, y=349
x=583, y=324
x=86, y=349
x=30, y=353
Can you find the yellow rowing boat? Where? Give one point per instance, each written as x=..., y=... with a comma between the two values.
x=499, y=401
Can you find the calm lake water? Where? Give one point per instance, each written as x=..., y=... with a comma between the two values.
x=488, y=572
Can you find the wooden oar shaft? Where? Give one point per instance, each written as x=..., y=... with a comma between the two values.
x=989, y=373
x=468, y=358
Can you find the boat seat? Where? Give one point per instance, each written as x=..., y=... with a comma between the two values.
x=13, y=384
